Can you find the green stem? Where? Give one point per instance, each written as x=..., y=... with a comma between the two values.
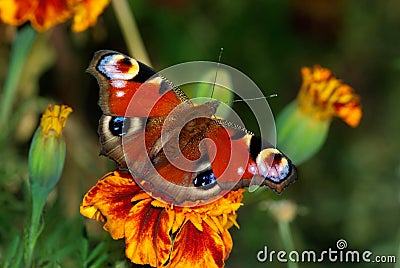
x=38, y=202
x=130, y=31
x=19, y=53
x=286, y=235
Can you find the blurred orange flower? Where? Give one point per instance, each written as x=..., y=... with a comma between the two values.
x=322, y=96
x=159, y=234
x=44, y=14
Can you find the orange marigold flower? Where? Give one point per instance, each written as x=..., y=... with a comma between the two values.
x=159, y=234
x=322, y=95
x=44, y=14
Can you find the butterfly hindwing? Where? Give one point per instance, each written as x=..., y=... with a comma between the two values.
x=112, y=129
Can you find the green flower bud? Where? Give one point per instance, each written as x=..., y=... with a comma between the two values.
x=47, y=150
x=299, y=135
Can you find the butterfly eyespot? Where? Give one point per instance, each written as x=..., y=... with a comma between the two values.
x=273, y=165
x=115, y=66
x=126, y=61
x=279, y=170
x=204, y=178
x=116, y=125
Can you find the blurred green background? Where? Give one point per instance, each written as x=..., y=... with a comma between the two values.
x=349, y=190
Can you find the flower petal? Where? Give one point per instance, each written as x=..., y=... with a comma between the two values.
x=348, y=106
x=194, y=248
x=147, y=234
x=45, y=14
x=227, y=239
x=49, y=13
x=55, y=118
x=110, y=200
x=16, y=12
x=86, y=13
x=322, y=96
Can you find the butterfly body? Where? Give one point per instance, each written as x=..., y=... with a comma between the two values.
x=178, y=151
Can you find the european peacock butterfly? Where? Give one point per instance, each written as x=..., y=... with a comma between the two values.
x=177, y=151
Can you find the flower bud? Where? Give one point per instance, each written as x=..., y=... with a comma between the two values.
x=304, y=124
x=299, y=135
x=47, y=150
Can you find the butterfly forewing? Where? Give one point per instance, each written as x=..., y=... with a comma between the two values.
x=124, y=80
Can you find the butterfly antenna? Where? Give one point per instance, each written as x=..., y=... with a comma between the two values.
x=259, y=98
x=216, y=72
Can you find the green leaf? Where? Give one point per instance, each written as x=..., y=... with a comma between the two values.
x=19, y=53
x=96, y=253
